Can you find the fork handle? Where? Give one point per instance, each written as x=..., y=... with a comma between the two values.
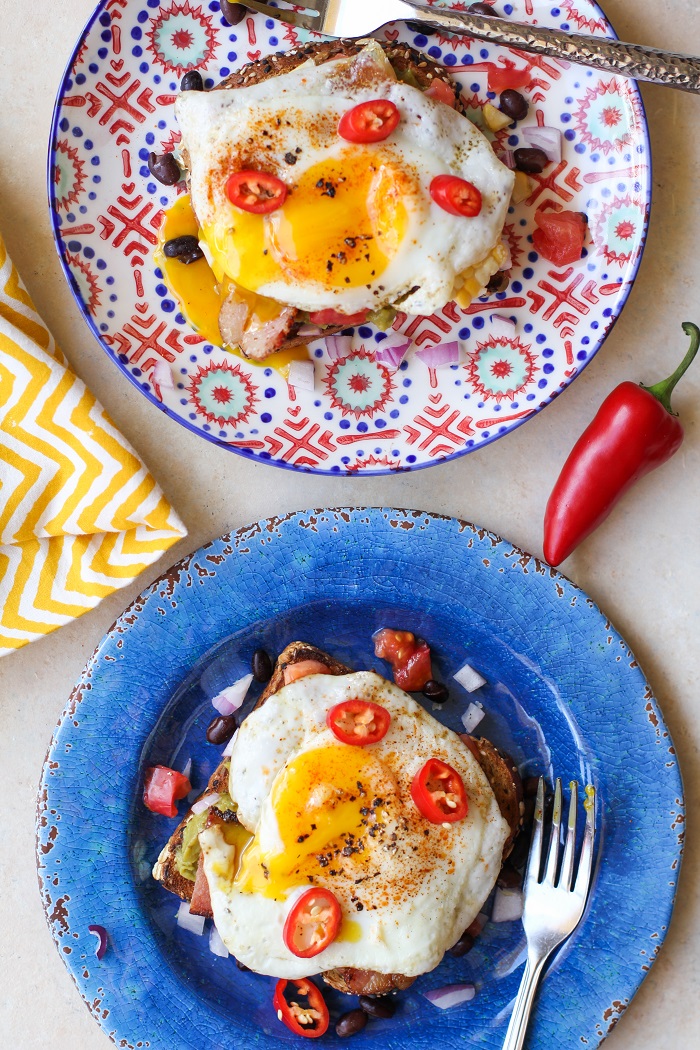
x=515, y=1036
x=610, y=56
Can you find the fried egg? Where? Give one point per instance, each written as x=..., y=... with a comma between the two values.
x=316, y=812
x=359, y=229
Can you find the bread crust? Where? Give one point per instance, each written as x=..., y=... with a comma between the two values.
x=499, y=769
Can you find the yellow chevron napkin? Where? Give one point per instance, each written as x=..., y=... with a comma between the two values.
x=80, y=516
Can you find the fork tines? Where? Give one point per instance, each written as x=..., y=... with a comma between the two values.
x=295, y=18
x=554, y=875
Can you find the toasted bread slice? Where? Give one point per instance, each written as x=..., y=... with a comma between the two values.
x=165, y=869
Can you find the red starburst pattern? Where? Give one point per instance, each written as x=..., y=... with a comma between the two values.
x=86, y=280
x=222, y=393
x=374, y=463
x=501, y=368
x=616, y=228
x=588, y=21
x=358, y=385
x=182, y=37
x=607, y=116
x=513, y=240
x=68, y=175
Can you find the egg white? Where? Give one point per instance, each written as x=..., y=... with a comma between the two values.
x=223, y=128
x=418, y=891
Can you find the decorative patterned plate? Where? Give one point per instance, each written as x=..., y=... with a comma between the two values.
x=564, y=693
x=115, y=105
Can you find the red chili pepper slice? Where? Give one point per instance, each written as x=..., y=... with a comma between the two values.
x=439, y=793
x=358, y=722
x=634, y=431
x=300, y=1006
x=326, y=318
x=162, y=787
x=313, y=923
x=409, y=658
x=456, y=196
x=371, y=121
x=256, y=191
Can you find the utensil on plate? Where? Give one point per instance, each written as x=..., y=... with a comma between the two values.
x=554, y=906
x=347, y=18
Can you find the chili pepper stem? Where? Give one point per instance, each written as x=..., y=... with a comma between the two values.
x=662, y=391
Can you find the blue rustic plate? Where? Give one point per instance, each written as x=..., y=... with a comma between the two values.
x=564, y=695
x=115, y=106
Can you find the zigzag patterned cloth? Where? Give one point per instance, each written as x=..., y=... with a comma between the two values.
x=80, y=516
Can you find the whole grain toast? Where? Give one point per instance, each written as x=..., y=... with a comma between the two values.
x=499, y=769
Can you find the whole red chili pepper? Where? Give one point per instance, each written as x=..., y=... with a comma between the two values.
x=634, y=431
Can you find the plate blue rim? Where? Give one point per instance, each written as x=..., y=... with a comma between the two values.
x=82, y=854
x=58, y=242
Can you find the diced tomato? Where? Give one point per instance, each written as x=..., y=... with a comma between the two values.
x=293, y=672
x=327, y=318
x=439, y=793
x=441, y=91
x=409, y=658
x=371, y=121
x=300, y=1005
x=358, y=722
x=200, y=903
x=162, y=788
x=559, y=235
x=456, y=196
x=502, y=78
x=256, y=191
x=313, y=923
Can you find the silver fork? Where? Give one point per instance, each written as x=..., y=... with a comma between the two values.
x=356, y=18
x=553, y=906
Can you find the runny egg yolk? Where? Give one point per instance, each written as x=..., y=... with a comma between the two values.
x=340, y=227
x=324, y=801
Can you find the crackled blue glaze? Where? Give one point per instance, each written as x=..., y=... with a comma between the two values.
x=564, y=695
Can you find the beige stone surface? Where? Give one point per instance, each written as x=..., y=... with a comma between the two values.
x=642, y=566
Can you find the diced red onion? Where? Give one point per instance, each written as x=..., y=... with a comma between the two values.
x=546, y=139
x=231, y=698
x=101, y=934
x=508, y=158
x=450, y=995
x=501, y=327
x=205, y=802
x=507, y=905
x=439, y=355
x=162, y=376
x=469, y=678
x=308, y=330
x=472, y=716
x=187, y=769
x=338, y=346
x=216, y=945
x=226, y=753
x=302, y=375
x=392, y=351
x=187, y=921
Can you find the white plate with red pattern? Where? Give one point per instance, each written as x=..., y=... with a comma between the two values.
x=115, y=106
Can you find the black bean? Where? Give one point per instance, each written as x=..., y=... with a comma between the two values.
x=513, y=104
x=192, y=81
x=531, y=160
x=164, y=167
x=436, y=691
x=521, y=848
x=221, y=729
x=421, y=27
x=463, y=945
x=530, y=785
x=261, y=666
x=482, y=9
x=233, y=13
x=186, y=249
x=509, y=878
x=498, y=283
x=381, y=1006
x=350, y=1023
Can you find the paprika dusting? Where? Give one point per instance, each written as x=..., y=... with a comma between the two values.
x=634, y=431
